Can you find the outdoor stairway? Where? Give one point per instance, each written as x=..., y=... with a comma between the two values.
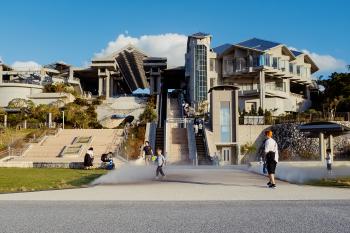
x=159, y=139
x=103, y=140
x=174, y=108
x=178, y=151
x=203, y=159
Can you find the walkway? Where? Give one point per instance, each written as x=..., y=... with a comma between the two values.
x=186, y=184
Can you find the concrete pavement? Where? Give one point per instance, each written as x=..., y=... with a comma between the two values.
x=186, y=184
x=204, y=217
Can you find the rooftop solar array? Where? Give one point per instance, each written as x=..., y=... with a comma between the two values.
x=222, y=48
x=296, y=53
x=258, y=44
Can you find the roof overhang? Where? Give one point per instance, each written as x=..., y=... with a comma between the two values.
x=223, y=88
x=326, y=127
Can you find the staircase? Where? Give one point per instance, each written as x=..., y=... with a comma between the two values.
x=203, y=159
x=159, y=139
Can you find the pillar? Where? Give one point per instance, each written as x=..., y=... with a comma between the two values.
x=100, y=85
x=5, y=120
x=49, y=120
x=151, y=85
x=321, y=146
x=108, y=94
x=111, y=86
x=262, y=89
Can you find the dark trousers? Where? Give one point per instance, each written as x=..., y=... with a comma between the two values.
x=160, y=170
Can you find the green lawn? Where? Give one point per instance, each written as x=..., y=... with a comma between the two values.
x=343, y=182
x=34, y=179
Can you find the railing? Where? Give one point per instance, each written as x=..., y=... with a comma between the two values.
x=296, y=118
x=14, y=151
x=22, y=82
x=192, y=147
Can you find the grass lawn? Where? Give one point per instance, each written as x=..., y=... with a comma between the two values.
x=343, y=182
x=34, y=179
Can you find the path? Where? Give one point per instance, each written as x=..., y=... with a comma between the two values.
x=191, y=184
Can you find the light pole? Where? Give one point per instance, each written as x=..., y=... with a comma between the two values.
x=62, y=119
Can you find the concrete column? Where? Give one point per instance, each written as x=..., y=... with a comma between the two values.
x=100, y=85
x=71, y=73
x=112, y=86
x=262, y=89
x=5, y=120
x=321, y=146
x=108, y=94
x=49, y=120
x=151, y=85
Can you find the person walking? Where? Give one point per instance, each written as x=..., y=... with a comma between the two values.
x=195, y=126
x=148, y=152
x=160, y=162
x=271, y=158
x=329, y=160
x=200, y=128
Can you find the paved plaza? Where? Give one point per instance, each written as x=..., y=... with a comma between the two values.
x=186, y=184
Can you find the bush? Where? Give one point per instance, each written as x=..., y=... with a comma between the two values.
x=96, y=102
x=81, y=102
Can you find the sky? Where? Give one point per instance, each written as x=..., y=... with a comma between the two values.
x=38, y=32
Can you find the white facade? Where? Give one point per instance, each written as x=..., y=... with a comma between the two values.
x=269, y=75
x=24, y=83
x=200, y=63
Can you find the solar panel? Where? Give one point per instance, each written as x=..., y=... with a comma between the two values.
x=258, y=44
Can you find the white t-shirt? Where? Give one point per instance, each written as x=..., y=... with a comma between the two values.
x=90, y=152
x=271, y=145
x=161, y=160
x=329, y=159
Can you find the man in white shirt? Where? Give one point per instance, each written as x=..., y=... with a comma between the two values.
x=271, y=157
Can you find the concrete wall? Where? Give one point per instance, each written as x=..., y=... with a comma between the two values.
x=251, y=134
x=10, y=91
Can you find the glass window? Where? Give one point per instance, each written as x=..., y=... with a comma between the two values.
x=225, y=121
x=267, y=60
x=201, y=73
x=298, y=70
x=275, y=62
x=291, y=68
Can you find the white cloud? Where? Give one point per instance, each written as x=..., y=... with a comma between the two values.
x=323, y=61
x=326, y=62
x=26, y=65
x=170, y=45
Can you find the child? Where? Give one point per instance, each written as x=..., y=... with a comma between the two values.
x=329, y=160
x=160, y=162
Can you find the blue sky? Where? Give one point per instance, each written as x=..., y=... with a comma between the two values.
x=73, y=31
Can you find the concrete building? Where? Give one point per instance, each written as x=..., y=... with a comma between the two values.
x=121, y=72
x=269, y=75
x=199, y=67
x=26, y=82
x=221, y=135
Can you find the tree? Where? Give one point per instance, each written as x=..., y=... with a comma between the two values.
x=41, y=112
x=148, y=115
x=77, y=116
x=336, y=92
x=203, y=107
x=21, y=103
